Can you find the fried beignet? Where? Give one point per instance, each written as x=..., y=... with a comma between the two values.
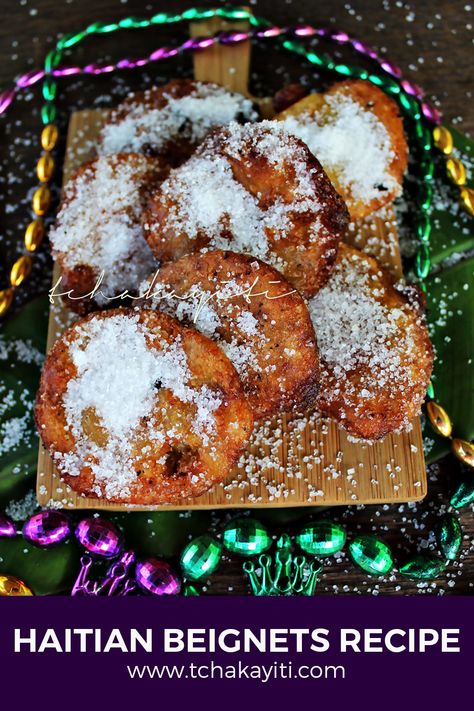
x=136, y=408
x=98, y=229
x=356, y=132
x=375, y=353
x=255, y=316
x=253, y=189
x=171, y=120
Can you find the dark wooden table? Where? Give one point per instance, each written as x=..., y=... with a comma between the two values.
x=430, y=41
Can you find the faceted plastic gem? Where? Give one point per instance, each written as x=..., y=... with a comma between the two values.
x=321, y=538
x=201, y=557
x=99, y=536
x=47, y=528
x=423, y=567
x=156, y=577
x=7, y=527
x=246, y=536
x=449, y=536
x=371, y=554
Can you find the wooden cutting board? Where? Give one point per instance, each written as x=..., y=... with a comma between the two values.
x=292, y=461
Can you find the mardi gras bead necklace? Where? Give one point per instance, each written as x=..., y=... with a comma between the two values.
x=282, y=572
x=203, y=555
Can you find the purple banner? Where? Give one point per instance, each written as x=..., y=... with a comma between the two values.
x=235, y=653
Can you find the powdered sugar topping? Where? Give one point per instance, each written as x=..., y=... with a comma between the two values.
x=350, y=142
x=117, y=381
x=204, y=196
x=99, y=223
x=191, y=117
x=355, y=331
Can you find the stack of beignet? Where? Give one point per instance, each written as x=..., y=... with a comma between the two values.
x=229, y=232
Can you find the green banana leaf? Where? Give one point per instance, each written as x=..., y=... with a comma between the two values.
x=452, y=230
x=22, y=343
x=46, y=571
x=451, y=317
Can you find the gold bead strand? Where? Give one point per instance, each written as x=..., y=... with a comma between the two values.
x=442, y=425
x=455, y=168
x=41, y=204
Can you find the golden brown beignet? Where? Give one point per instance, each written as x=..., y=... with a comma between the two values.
x=255, y=316
x=136, y=408
x=253, y=189
x=356, y=132
x=375, y=353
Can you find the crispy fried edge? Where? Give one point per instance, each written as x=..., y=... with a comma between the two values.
x=304, y=394
x=57, y=439
x=82, y=278
x=386, y=111
x=391, y=417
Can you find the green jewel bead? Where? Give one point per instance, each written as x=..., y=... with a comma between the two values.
x=423, y=261
x=190, y=591
x=423, y=567
x=430, y=391
x=449, y=536
x=246, y=536
x=464, y=494
x=201, y=557
x=321, y=538
x=48, y=113
x=371, y=554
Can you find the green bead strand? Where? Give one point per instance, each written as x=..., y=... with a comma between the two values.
x=133, y=23
x=423, y=261
x=70, y=40
x=52, y=60
x=426, y=196
x=424, y=227
x=48, y=113
x=49, y=89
